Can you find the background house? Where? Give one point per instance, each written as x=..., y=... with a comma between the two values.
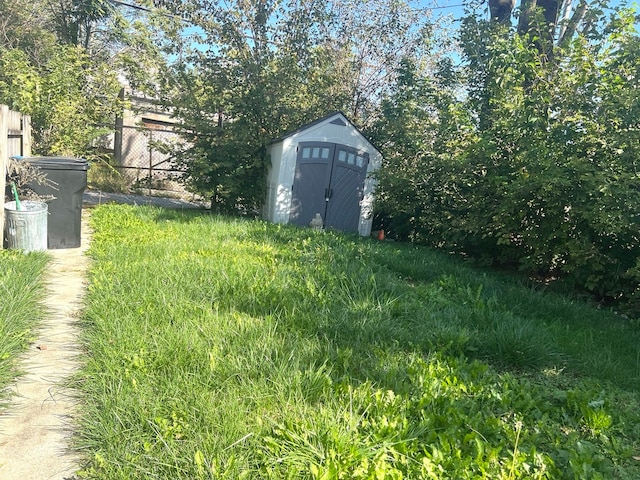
x=140, y=134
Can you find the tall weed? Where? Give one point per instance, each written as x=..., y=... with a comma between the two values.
x=21, y=294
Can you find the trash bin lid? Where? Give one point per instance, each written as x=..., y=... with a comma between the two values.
x=58, y=163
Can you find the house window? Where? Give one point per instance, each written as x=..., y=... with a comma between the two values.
x=154, y=124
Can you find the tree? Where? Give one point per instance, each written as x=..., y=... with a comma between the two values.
x=547, y=22
x=269, y=67
x=60, y=64
x=422, y=133
x=553, y=189
x=530, y=160
x=22, y=27
x=76, y=21
x=251, y=74
x=366, y=44
x=63, y=97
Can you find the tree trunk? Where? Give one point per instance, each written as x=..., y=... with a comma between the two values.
x=547, y=30
x=500, y=10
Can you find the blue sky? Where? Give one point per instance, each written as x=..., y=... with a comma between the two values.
x=455, y=9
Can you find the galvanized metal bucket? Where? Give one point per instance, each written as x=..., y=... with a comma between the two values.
x=26, y=229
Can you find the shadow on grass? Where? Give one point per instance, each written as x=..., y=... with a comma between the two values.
x=422, y=301
x=400, y=297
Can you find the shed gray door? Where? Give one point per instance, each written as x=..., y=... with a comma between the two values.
x=329, y=180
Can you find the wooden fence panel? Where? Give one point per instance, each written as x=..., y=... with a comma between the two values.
x=4, y=159
x=15, y=139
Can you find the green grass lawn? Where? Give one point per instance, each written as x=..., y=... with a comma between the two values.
x=21, y=293
x=221, y=348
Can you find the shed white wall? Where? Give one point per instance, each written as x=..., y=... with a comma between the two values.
x=283, y=166
x=276, y=196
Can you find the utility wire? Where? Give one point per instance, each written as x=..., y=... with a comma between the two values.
x=131, y=5
x=146, y=9
x=184, y=20
x=443, y=7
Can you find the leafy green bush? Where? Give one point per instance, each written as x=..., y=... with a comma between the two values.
x=546, y=177
x=68, y=98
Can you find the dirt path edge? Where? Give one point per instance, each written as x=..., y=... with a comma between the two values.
x=35, y=431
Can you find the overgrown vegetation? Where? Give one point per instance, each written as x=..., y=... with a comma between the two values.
x=21, y=291
x=105, y=177
x=64, y=63
x=268, y=68
x=26, y=175
x=60, y=92
x=221, y=348
x=535, y=167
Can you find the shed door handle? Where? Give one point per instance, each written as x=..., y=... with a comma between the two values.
x=328, y=193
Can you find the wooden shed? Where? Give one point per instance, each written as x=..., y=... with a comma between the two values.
x=324, y=167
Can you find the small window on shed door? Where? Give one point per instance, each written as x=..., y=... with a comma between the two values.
x=306, y=152
x=325, y=152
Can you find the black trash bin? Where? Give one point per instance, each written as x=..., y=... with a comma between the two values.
x=69, y=178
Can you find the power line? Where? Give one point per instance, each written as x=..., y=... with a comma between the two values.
x=443, y=7
x=148, y=10
x=182, y=19
x=131, y=5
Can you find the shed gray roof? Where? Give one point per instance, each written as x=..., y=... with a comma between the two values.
x=321, y=120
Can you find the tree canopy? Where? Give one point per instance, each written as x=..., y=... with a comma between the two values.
x=63, y=63
x=268, y=67
x=536, y=168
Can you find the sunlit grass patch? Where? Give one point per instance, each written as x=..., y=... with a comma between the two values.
x=221, y=348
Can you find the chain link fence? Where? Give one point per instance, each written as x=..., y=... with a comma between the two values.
x=143, y=156
x=143, y=159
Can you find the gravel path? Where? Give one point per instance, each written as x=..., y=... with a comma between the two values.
x=96, y=197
